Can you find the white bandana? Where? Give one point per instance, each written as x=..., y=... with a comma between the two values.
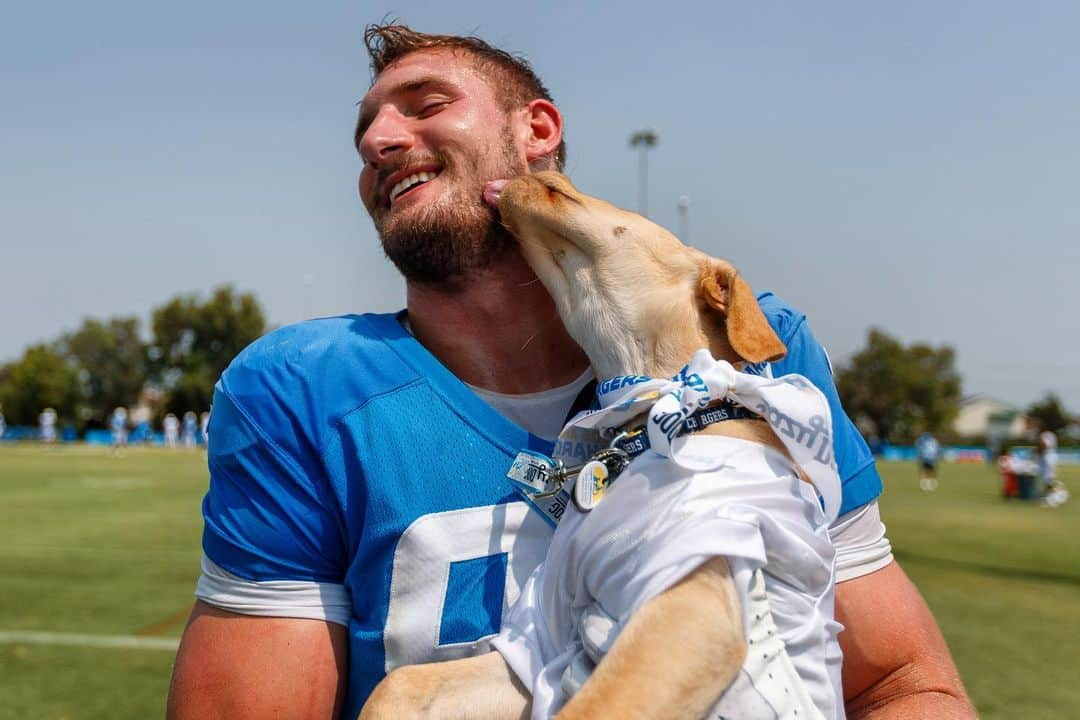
x=797, y=412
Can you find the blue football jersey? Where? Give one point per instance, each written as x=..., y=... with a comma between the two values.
x=343, y=454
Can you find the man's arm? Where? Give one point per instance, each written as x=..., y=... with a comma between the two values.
x=896, y=663
x=240, y=667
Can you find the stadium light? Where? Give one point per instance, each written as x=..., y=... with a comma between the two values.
x=645, y=140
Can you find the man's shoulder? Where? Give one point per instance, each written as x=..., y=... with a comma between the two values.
x=782, y=316
x=307, y=340
x=330, y=361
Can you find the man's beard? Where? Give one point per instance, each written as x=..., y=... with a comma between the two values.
x=459, y=233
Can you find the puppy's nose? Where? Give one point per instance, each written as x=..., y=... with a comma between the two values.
x=492, y=191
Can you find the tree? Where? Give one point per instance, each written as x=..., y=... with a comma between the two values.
x=41, y=378
x=901, y=391
x=194, y=342
x=1050, y=413
x=111, y=362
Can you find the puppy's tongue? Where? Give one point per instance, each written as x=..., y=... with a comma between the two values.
x=492, y=191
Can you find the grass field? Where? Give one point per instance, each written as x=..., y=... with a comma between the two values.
x=92, y=544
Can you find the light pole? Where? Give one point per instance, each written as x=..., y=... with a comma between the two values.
x=684, y=218
x=644, y=139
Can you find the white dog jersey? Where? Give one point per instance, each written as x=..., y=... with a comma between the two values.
x=689, y=498
x=657, y=524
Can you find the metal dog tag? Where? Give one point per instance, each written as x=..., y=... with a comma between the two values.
x=591, y=484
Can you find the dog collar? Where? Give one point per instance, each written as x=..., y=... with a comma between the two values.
x=636, y=440
x=546, y=482
x=704, y=392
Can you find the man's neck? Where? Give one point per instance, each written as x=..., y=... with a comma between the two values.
x=499, y=331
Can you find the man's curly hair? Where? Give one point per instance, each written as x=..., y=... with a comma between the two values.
x=511, y=77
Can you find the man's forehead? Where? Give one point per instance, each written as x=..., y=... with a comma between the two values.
x=420, y=68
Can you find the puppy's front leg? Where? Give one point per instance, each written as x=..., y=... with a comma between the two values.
x=675, y=657
x=481, y=687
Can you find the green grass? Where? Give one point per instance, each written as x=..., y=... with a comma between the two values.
x=1003, y=580
x=92, y=543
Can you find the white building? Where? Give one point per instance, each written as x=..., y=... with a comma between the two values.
x=980, y=415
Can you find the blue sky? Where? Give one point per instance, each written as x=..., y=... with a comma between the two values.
x=912, y=166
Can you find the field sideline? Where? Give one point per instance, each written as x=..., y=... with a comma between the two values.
x=99, y=555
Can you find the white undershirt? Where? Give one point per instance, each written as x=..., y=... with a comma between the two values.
x=541, y=413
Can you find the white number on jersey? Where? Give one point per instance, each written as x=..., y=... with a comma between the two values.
x=422, y=575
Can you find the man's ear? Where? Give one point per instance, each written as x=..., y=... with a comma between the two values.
x=748, y=332
x=544, y=132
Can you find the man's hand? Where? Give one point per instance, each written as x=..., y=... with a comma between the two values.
x=896, y=662
x=242, y=667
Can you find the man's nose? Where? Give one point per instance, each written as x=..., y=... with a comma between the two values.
x=386, y=136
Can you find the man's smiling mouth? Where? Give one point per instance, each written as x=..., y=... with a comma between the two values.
x=410, y=182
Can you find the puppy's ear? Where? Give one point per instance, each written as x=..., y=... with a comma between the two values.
x=748, y=331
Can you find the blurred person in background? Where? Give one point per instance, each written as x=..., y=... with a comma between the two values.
x=47, y=425
x=141, y=432
x=1047, y=457
x=118, y=425
x=204, y=428
x=3, y=425
x=191, y=427
x=1054, y=491
x=929, y=452
x=171, y=428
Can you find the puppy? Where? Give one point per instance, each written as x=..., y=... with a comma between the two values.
x=712, y=552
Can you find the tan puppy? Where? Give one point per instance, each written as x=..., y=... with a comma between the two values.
x=640, y=303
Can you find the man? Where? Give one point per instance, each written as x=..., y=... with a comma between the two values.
x=358, y=519
x=191, y=425
x=1053, y=491
x=928, y=450
x=118, y=424
x=1046, y=450
x=140, y=419
x=47, y=425
x=170, y=428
